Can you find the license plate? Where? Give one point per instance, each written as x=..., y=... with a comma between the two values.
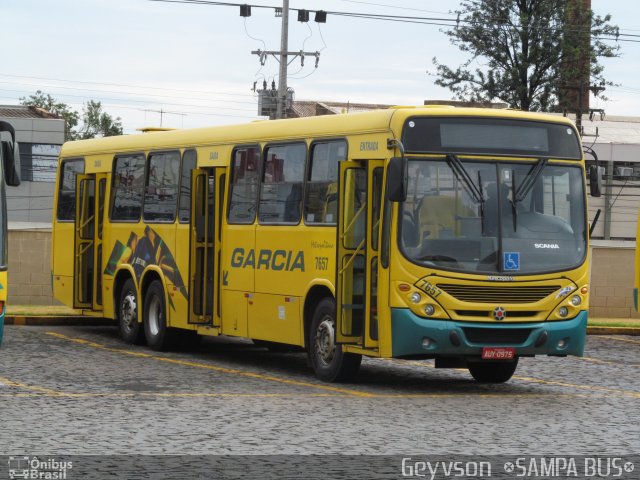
x=498, y=353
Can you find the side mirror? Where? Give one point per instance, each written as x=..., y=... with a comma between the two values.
x=397, y=179
x=595, y=181
x=10, y=154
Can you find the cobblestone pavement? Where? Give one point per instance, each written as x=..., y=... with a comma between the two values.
x=80, y=390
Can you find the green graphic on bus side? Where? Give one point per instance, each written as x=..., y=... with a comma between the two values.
x=140, y=252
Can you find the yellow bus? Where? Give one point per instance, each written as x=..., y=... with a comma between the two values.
x=442, y=233
x=636, y=283
x=8, y=176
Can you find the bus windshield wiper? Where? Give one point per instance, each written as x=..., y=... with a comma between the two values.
x=520, y=193
x=475, y=191
x=462, y=174
x=529, y=181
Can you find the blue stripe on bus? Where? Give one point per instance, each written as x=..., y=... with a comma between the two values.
x=408, y=331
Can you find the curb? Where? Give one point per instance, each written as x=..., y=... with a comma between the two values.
x=50, y=320
x=635, y=331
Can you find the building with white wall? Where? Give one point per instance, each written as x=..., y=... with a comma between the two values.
x=40, y=135
x=616, y=141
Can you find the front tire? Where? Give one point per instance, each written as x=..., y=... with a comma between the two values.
x=128, y=325
x=329, y=362
x=492, y=372
x=159, y=336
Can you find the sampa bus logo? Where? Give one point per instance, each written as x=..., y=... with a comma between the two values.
x=268, y=259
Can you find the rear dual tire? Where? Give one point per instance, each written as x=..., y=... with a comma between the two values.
x=130, y=328
x=158, y=335
x=153, y=327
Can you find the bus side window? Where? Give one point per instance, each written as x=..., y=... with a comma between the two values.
x=67, y=189
x=282, y=181
x=188, y=164
x=161, y=192
x=244, y=185
x=322, y=182
x=128, y=187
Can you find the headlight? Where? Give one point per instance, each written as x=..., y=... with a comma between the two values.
x=576, y=300
x=429, y=310
x=416, y=297
x=563, y=311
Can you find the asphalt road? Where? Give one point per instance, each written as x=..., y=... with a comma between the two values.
x=81, y=391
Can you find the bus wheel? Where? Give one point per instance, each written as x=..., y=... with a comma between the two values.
x=492, y=372
x=158, y=335
x=130, y=329
x=329, y=362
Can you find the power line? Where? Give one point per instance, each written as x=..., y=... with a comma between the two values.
x=125, y=92
x=397, y=7
x=129, y=100
x=187, y=112
x=452, y=21
x=145, y=87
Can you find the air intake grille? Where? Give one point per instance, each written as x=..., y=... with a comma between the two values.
x=498, y=294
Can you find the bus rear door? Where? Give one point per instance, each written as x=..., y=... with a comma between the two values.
x=87, y=278
x=204, y=271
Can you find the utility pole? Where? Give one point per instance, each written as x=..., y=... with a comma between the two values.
x=282, y=75
x=581, y=99
x=273, y=103
x=574, y=83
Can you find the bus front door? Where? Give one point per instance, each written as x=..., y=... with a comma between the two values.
x=87, y=280
x=205, y=247
x=357, y=262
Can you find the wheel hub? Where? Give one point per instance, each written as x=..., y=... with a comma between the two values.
x=326, y=340
x=129, y=311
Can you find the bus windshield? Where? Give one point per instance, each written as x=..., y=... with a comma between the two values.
x=494, y=217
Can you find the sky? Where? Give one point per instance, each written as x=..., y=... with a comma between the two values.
x=194, y=62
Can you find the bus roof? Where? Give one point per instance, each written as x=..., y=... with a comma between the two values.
x=260, y=131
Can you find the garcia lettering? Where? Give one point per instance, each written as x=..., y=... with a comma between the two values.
x=277, y=260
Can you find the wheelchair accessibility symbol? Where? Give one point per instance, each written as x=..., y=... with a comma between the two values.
x=511, y=261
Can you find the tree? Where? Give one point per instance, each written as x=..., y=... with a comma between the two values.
x=529, y=49
x=95, y=122
x=48, y=103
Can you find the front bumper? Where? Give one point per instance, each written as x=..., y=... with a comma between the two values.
x=536, y=338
